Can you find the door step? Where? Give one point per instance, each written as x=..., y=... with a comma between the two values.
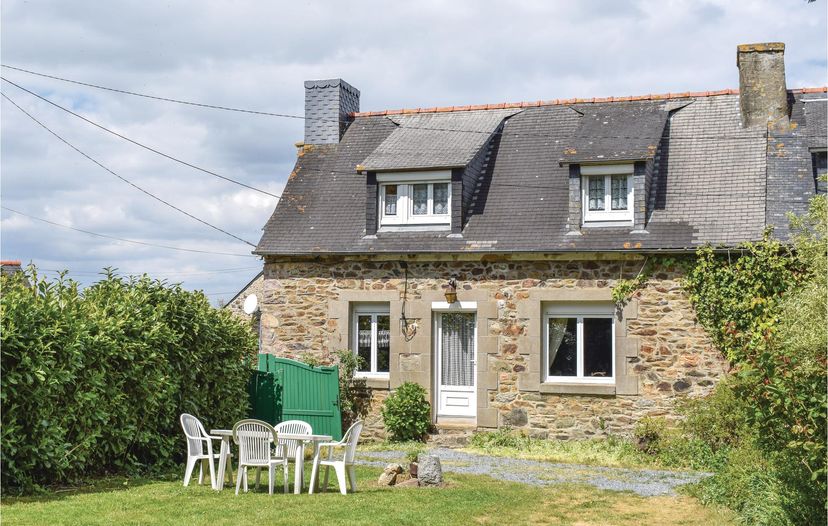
x=452, y=432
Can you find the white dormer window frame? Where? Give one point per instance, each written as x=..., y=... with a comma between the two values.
x=422, y=198
x=607, y=193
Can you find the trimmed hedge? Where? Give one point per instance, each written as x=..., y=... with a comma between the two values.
x=94, y=381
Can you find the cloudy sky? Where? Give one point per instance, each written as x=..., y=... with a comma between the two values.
x=255, y=55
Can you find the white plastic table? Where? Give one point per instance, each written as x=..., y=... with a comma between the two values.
x=299, y=466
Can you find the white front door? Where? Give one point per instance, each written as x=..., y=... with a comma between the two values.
x=456, y=345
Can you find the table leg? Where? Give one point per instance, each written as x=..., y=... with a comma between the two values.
x=299, y=468
x=225, y=448
x=314, y=484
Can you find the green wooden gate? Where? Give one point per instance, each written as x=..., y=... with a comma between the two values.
x=284, y=389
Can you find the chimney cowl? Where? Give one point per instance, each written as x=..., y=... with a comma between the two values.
x=763, y=95
x=327, y=106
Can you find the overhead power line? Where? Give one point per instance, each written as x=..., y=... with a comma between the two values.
x=165, y=275
x=738, y=135
x=150, y=148
x=144, y=95
x=136, y=242
x=127, y=181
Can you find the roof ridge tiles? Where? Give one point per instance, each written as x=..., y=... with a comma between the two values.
x=562, y=102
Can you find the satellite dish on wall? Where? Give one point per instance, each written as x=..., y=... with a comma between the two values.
x=250, y=304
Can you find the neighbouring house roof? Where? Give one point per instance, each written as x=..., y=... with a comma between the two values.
x=9, y=267
x=712, y=180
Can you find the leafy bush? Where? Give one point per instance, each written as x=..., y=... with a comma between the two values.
x=720, y=419
x=94, y=381
x=767, y=310
x=406, y=413
x=354, y=397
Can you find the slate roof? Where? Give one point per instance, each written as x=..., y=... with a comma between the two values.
x=435, y=140
x=616, y=131
x=712, y=181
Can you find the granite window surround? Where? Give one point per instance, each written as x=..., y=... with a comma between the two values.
x=412, y=357
x=531, y=345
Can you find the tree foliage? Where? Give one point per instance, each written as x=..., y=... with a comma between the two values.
x=94, y=381
x=765, y=308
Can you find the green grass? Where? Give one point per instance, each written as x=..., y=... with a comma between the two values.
x=611, y=452
x=465, y=500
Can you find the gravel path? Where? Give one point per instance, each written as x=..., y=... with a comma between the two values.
x=645, y=482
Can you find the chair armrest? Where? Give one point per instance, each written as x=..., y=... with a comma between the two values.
x=332, y=444
x=213, y=437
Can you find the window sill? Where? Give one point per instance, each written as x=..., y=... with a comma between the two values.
x=577, y=388
x=607, y=223
x=374, y=382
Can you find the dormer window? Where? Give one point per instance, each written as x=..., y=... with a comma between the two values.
x=607, y=193
x=415, y=198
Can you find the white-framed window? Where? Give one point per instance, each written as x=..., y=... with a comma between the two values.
x=607, y=192
x=371, y=330
x=579, y=343
x=415, y=198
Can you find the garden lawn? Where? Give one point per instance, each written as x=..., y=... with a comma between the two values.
x=465, y=500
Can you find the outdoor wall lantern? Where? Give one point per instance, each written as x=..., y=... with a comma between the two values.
x=451, y=291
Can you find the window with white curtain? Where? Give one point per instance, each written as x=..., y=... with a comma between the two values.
x=607, y=192
x=371, y=338
x=579, y=343
x=415, y=198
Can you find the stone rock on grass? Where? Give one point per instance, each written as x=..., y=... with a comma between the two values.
x=410, y=483
x=429, y=470
x=389, y=475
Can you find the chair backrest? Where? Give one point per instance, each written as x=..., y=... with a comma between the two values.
x=195, y=434
x=350, y=439
x=294, y=427
x=254, y=438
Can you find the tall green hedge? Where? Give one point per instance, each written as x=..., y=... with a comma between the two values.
x=94, y=380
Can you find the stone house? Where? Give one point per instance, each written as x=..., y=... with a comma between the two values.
x=473, y=249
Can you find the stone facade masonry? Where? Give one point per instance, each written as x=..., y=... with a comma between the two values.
x=662, y=353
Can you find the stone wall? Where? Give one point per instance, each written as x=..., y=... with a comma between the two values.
x=236, y=305
x=662, y=353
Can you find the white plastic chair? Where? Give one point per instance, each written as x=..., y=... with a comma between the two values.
x=197, y=438
x=349, y=444
x=287, y=448
x=255, y=439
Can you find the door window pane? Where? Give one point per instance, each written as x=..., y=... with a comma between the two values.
x=598, y=347
x=420, y=199
x=441, y=198
x=383, y=343
x=563, y=347
x=619, y=192
x=596, y=193
x=391, y=200
x=457, y=348
x=364, y=336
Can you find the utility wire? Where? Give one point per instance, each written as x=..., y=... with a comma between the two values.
x=156, y=245
x=165, y=99
x=153, y=150
x=738, y=135
x=165, y=275
x=123, y=178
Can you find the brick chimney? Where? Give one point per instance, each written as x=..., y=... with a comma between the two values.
x=763, y=96
x=327, y=105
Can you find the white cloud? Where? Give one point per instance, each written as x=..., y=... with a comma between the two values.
x=256, y=55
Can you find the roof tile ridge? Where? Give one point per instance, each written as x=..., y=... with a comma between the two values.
x=564, y=102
